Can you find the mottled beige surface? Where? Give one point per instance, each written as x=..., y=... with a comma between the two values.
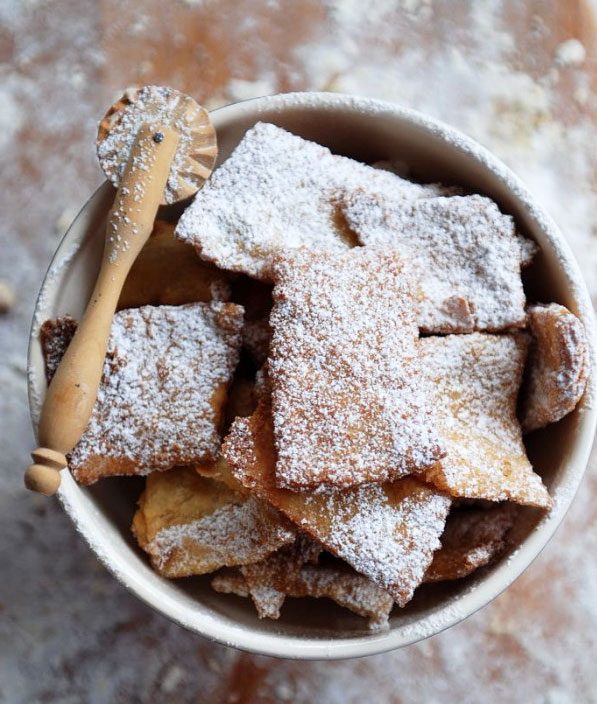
x=498, y=69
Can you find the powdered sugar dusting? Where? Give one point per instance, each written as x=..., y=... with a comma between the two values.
x=232, y=535
x=267, y=599
x=386, y=532
x=273, y=578
x=122, y=230
x=191, y=524
x=471, y=539
x=464, y=252
x=230, y=581
x=160, y=399
x=348, y=589
x=537, y=639
x=349, y=399
x=338, y=583
x=476, y=379
x=276, y=192
x=156, y=105
x=55, y=336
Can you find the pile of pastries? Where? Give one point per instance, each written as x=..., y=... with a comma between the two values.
x=325, y=370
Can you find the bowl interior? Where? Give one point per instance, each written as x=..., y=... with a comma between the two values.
x=369, y=132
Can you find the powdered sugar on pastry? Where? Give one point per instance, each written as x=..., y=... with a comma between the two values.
x=339, y=583
x=241, y=398
x=348, y=589
x=220, y=471
x=558, y=366
x=465, y=254
x=230, y=581
x=386, y=532
x=189, y=524
x=348, y=395
x=163, y=387
x=472, y=539
x=276, y=192
x=270, y=580
x=476, y=379
x=233, y=535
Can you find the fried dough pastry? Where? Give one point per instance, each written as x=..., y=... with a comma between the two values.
x=190, y=525
x=169, y=272
x=464, y=252
x=270, y=580
x=276, y=192
x=294, y=571
x=350, y=402
x=476, y=379
x=558, y=366
x=341, y=584
x=229, y=580
x=55, y=337
x=347, y=588
x=386, y=532
x=219, y=470
x=471, y=539
x=164, y=385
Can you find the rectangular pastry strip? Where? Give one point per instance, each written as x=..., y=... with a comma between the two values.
x=465, y=253
x=163, y=388
x=277, y=192
x=350, y=402
x=476, y=379
x=189, y=524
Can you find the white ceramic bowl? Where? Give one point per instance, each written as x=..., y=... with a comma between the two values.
x=366, y=130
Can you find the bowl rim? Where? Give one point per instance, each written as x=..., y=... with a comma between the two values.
x=216, y=627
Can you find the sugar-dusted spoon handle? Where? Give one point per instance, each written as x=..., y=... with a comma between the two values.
x=73, y=390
